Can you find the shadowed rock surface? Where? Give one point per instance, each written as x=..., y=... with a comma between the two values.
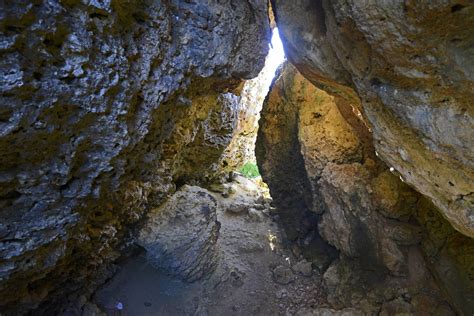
x=121, y=121
x=376, y=221
x=411, y=64
x=105, y=105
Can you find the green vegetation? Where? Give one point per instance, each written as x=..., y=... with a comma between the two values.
x=250, y=170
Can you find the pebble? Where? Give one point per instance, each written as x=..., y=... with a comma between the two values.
x=281, y=293
x=283, y=275
x=304, y=268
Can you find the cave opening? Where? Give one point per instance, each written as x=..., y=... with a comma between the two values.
x=224, y=239
x=252, y=97
x=228, y=238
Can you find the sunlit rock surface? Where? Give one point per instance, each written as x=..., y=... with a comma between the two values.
x=109, y=107
x=105, y=105
x=411, y=63
x=315, y=152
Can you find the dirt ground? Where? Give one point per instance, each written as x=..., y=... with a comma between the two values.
x=257, y=273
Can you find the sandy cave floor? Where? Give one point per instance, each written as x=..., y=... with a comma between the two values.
x=257, y=274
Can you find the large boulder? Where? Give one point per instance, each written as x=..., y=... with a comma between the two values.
x=411, y=63
x=180, y=236
x=106, y=105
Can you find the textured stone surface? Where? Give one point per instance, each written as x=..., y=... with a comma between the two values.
x=334, y=165
x=180, y=236
x=242, y=147
x=277, y=145
x=349, y=284
x=104, y=105
x=351, y=222
x=108, y=106
x=374, y=219
x=329, y=312
x=411, y=64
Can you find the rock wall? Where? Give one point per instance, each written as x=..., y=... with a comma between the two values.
x=411, y=64
x=315, y=152
x=106, y=106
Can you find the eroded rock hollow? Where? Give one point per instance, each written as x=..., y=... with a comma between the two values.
x=411, y=64
x=123, y=125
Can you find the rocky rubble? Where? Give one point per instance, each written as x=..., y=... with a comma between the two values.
x=106, y=105
x=115, y=115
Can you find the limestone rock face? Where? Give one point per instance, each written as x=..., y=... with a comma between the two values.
x=411, y=64
x=104, y=106
x=312, y=144
x=280, y=160
x=335, y=166
x=242, y=146
x=180, y=236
